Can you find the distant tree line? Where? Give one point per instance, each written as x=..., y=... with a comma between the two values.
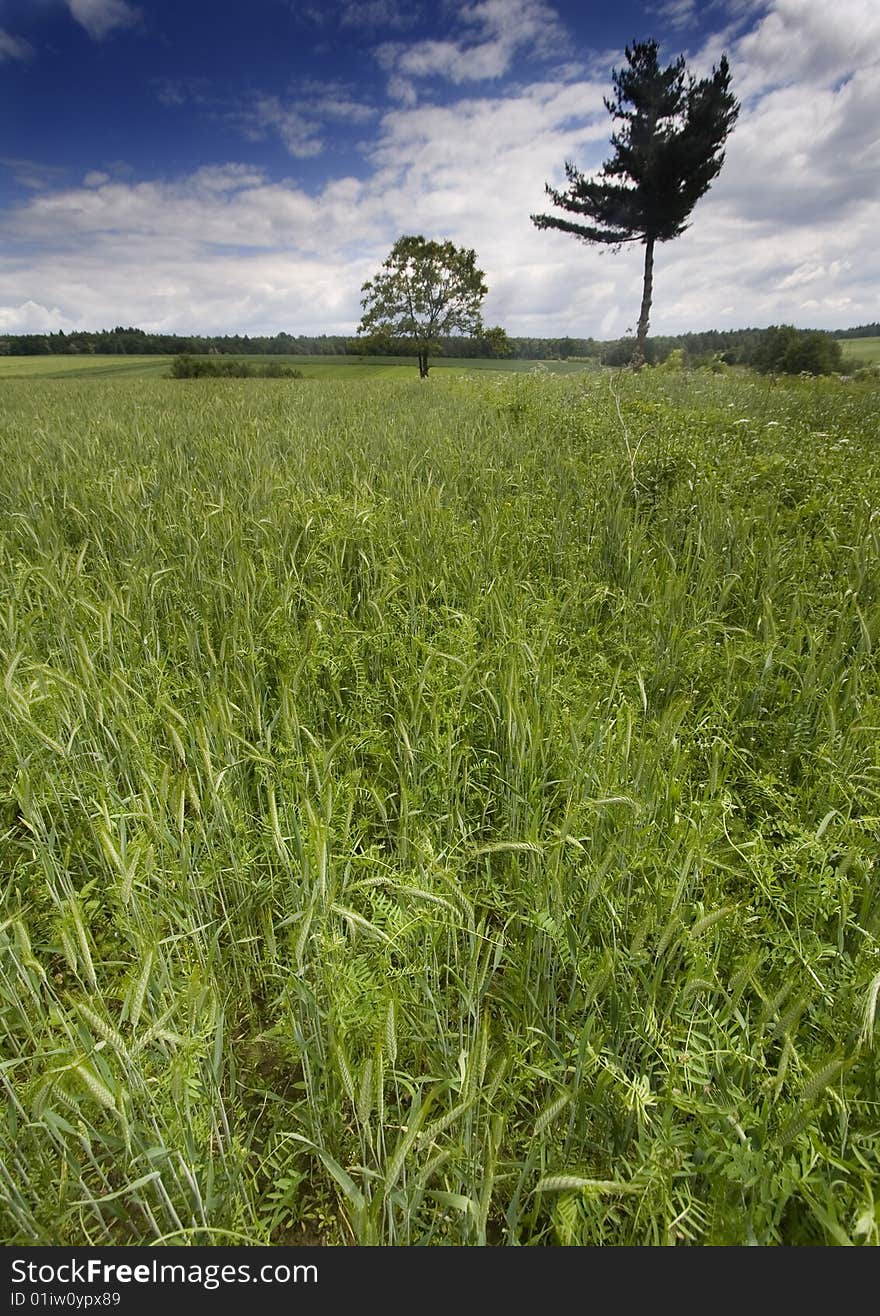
x=861, y=331
x=139, y=342
x=781, y=348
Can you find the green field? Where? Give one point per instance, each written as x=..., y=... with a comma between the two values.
x=440, y=813
x=860, y=351
x=856, y=352
x=313, y=367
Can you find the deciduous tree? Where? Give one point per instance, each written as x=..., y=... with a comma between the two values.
x=424, y=291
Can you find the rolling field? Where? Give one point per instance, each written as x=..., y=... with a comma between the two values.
x=440, y=813
x=350, y=368
x=860, y=351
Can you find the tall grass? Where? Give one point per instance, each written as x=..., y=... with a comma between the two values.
x=440, y=814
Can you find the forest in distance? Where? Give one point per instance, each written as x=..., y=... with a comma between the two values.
x=734, y=346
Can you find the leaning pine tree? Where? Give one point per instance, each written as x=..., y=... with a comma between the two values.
x=666, y=154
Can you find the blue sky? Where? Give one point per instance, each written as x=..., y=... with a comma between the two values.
x=244, y=167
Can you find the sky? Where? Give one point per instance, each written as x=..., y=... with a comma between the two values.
x=212, y=166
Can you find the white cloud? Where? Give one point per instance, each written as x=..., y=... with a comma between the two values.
x=12, y=47
x=802, y=155
x=298, y=134
x=813, y=272
x=401, y=90
x=101, y=17
x=232, y=205
x=809, y=43
x=32, y=318
x=678, y=13
x=806, y=150
x=298, y=123
x=496, y=31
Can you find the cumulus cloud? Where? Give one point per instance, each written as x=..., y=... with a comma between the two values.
x=101, y=17
x=803, y=156
x=495, y=31
x=231, y=205
x=33, y=318
x=808, y=43
x=806, y=150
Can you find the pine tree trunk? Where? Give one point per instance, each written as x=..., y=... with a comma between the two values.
x=645, y=313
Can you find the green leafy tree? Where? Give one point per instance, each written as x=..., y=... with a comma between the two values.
x=667, y=152
x=784, y=350
x=497, y=342
x=424, y=291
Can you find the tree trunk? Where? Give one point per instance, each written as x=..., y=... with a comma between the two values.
x=423, y=365
x=645, y=313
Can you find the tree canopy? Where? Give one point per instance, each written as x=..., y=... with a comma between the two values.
x=667, y=152
x=424, y=291
x=785, y=350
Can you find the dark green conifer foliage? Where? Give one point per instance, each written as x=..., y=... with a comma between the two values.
x=667, y=152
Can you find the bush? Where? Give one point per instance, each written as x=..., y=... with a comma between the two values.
x=674, y=362
x=211, y=367
x=784, y=350
x=621, y=352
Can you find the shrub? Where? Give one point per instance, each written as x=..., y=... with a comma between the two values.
x=784, y=350
x=674, y=362
x=621, y=353
x=211, y=367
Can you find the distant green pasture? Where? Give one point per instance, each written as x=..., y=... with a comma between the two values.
x=78, y=367
x=861, y=351
x=312, y=367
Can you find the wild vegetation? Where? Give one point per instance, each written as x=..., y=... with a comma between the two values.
x=440, y=813
x=229, y=367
